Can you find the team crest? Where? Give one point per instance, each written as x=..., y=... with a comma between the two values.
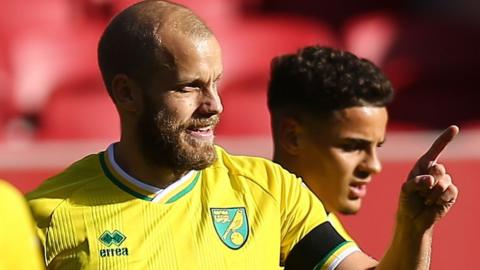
x=231, y=225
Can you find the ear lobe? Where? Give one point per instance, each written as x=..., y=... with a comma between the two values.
x=124, y=92
x=290, y=133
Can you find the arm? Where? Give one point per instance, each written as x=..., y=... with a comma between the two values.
x=408, y=250
x=426, y=197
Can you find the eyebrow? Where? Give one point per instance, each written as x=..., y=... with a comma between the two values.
x=362, y=141
x=197, y=81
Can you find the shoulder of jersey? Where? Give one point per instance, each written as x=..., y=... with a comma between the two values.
x=9, y=194
x=53, y=191
x=258, y=170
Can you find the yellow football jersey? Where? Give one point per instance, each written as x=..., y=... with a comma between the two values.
x=19, y=247
x=239, y=213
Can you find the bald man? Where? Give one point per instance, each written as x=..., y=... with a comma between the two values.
x=164, y=196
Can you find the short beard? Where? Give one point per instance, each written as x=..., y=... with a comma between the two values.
x=165, y=143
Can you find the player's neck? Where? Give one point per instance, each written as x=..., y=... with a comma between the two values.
x=287, y=161
x=132, y=161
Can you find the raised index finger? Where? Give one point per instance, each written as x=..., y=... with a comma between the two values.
x=440, y=143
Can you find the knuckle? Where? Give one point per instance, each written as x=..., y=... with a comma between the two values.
x=448, y=197
x=437, y=169
x=450, y=194
x=442, y=185
x=453, y=189
x=445, y=180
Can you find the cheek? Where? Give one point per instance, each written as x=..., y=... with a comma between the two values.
x=326, y=167
x=343, y=165
x=181, y=110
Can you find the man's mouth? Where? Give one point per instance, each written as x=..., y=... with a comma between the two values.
x=202, y=129
x=357, y=190
x=201, y=132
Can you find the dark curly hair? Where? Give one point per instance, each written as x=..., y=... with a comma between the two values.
x=320, y=80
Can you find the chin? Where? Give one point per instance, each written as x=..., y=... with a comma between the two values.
x=350, y=209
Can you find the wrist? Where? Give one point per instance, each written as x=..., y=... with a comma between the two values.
x=413, y=223
x=407, y=229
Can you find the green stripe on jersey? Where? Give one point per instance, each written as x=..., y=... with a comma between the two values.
x=118, y=183
x=322, y=262
x=185, y=190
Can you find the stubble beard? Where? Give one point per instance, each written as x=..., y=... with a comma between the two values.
x=165, y=142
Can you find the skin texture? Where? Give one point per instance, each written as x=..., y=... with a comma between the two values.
x=338, y=156
x=184, y=112
x=167, y=127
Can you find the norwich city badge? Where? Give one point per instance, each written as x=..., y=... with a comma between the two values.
x=231, y=225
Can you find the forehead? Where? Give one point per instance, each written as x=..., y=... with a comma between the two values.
x=194, y=58
x=363, y=122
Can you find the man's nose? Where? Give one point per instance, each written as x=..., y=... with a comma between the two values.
x=211, y=103
x=372, y=163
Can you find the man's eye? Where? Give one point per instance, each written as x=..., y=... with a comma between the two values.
x=351, y=147
x=187, y=89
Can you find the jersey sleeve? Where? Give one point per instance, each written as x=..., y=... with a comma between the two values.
x=309, y=239
x=19, y=247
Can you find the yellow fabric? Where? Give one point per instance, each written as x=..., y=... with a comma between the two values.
x=81, y=210
x=339, y=227
x=19, y=247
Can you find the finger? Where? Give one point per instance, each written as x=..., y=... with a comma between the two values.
x=421, y=183
x=449, y=196
x=437, y=170
x=439, y=144
x=438, y=189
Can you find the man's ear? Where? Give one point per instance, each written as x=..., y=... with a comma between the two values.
x=126, y=93
x=291, y=132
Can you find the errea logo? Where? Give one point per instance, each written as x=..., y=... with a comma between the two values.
x=115, y=238
x=108, y=238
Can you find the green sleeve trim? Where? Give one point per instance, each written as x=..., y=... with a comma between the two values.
x=322, y=262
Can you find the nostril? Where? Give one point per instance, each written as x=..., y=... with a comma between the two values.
x=362, y=174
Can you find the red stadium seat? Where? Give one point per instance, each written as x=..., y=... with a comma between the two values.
x=248, y=50
x=40, y=60
x=79, y=110
x=245, y=109
x=19, y=15
x=370, y=35
x=250, y=44
x=434, y=67
x=431, y=62
x=43, y=42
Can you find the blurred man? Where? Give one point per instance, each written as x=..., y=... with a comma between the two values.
x=329, y=116
x=164, y=196
x=19, y=247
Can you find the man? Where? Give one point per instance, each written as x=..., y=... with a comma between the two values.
x=164, y=197
x=19, y=248
x=329, y=116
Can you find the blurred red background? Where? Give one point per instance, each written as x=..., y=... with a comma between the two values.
x=54, y=109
